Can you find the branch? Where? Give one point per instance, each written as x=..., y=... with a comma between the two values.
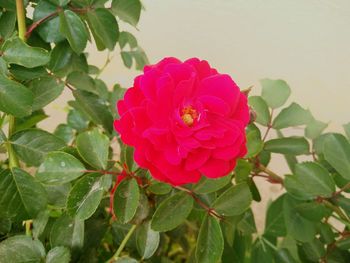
x=273, y=176
x=39, y=22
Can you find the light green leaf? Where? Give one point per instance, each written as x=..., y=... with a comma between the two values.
x=25, y=74
x=337, y=152
x=242, y=171
x=209, y=185
x=19, y=249
x=275, y=92
x=234, y=201
x=126, y=200
x=293, y=115
x=67, y=232
x=127, y=38
x=260, y=107
x=147, y=240
x=104, y=28
x=347, y=130
x=314, y=129
x=45, y=90
x=288, y=145
x=93, y=147
x=261, y=251
x=21, y=196
x=15, y=98
x=127, y=10
x=18, y=52
x=74, y=29
x=85, y=196
x=59, y=168
x=32, y=145
x=309, y=181
x=210, y=242
x=60, y=2
x=254, y=142
x=76, y=120
x=58, y=255
x=96, y=108
x=39, y=223
x=164, y=218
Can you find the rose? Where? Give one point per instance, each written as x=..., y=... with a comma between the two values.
x=184, y=120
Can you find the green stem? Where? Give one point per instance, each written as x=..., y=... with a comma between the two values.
x=337, y=210
x=122, y=245
x=21, y=19
x=271, y=174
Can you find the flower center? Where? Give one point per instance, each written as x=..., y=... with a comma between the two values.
x=189, y=115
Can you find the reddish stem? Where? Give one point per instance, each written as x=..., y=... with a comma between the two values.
x=39, y=22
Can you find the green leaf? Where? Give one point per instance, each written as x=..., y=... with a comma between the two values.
x=209, y=185
x=288, y=145
x=127, y=156
x=29, y=121
x=19, y=249
x=96, y=108
x=297, y=226
x=309, y=181
x=210, y=242
x=67, y=232
x=126, y=259
x=313, y=211
x=127, y=38
x=337, y=152
x=247, y=225
x=49, y=30
x=59, y=168
x=5, y=226
x=275, y=92
x=64, y=132
x=57, y=194
x=81, y=80
x=126, y=200
x=242, y=171
x=164, y=218
x=21, y=196
x=127, y=10
x=18, y=52
x=45, y=90
x=127, y=59
x=314, y=250
x=284, y=256
x=76, y=120
x=85, y=196
x=261, y=251
x=260, y=107
x=60, y=2
x=104, y=28
x=32, y=145
x=254, y=143
x=314, y=128
x=159, y=188
x=293, y=115
x=7, y=24
x=93, y=147
x=58, y=255
x=74, y=29
x=147, y=240
x=274, y=223
x=39, y=223
x=15, y=98
x=61, y=57
x=24, y=74
x=234, y=201
x=347, y=130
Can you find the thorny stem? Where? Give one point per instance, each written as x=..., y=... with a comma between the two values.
x=275, y=178
x=344, y=188
x=210, y=210
x=336, y=209
x=39, y=22
x=122, y=245
x=269, y=126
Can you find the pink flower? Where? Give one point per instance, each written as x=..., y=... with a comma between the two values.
x=185, y=120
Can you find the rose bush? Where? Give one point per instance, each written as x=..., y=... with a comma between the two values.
x=184, y=120
x=177, y=179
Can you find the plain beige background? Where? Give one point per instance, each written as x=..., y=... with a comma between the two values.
x=305, y=42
